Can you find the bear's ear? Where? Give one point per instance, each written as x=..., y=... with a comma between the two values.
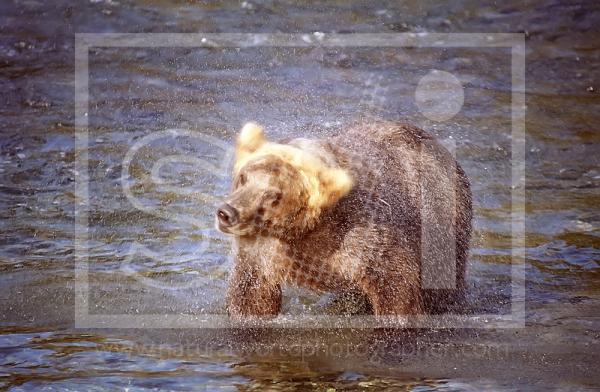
x=250, y=139
x=334, y=184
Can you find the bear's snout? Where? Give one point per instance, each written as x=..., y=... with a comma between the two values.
x=227, y=215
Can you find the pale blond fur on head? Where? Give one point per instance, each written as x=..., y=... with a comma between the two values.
x=326, y=185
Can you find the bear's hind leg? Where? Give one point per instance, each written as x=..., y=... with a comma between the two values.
x=392, y=295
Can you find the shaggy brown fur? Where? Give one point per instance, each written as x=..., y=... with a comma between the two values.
x=364, y=235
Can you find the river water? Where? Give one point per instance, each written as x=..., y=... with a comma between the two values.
x=161, y=121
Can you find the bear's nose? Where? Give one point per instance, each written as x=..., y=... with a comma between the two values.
x=227, y=215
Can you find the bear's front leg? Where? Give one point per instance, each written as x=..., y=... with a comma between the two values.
x=253, y=288
x=251, y=293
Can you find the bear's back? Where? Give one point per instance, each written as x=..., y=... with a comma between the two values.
x=410, y=184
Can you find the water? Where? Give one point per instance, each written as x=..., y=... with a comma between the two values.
x=180, y=264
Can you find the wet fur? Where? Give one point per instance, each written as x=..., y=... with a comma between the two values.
x=364, y=235
x=325, y=182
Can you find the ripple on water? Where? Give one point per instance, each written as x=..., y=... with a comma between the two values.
x=294, y=91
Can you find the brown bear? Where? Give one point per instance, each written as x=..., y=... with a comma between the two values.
x=382, y=209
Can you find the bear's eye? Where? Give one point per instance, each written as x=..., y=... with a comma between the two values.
x=275, y=198
x=242, y=179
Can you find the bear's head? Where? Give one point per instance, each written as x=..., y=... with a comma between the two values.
x=278, y=190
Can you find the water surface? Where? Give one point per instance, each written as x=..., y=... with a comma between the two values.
x=180, y=264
